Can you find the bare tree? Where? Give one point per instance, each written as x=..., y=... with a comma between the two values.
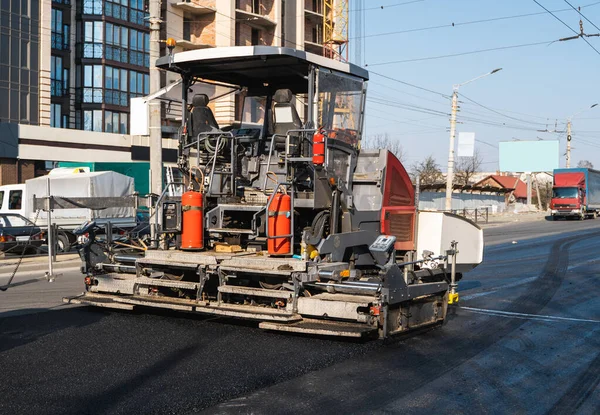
x=585, y=164
x=378, y=141
x=428, y=170
x=466, y=167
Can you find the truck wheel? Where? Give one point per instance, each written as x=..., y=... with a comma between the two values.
x=62, y=243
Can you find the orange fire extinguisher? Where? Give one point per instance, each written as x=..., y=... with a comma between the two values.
x=319, y=148
x=192, y=233
x=280, y=223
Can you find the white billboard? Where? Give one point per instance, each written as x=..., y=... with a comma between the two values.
x=466, y=144
x=529, y=156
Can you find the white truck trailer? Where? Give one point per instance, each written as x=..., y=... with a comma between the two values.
x=18, y=198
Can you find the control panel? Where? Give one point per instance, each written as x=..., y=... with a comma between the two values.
x=171, y=216
x=383, y=243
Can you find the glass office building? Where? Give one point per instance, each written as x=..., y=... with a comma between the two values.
x=108, y=59
x=19, y=63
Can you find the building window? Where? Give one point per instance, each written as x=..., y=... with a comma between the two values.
x=256, y=6
x=255, y=36
x=92, y=7
x=115, y=83
x=140, y=48
x=116, y=9
x=93, y=37
x=138, y=14
x=139, y=84
x=57, y=119
x=92, y=120
x=60, y=31
x=92, y=84
x=105, y=121
x=57, y=86
x=115, y=122
x=187, y=31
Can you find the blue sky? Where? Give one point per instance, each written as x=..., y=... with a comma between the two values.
x=538, y=85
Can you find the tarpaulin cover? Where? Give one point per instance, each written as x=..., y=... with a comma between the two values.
x=95, y=184
x=569, y=179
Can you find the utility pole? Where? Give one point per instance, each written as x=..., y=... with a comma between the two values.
x=568, y=143
x=450, y=174
x=155, y=138
x=155, y=143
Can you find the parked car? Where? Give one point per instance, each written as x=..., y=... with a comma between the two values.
x=19, y=234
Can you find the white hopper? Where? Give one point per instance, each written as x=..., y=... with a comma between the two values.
x=436, y=230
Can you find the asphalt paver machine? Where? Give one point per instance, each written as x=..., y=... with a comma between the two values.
x=285, y=220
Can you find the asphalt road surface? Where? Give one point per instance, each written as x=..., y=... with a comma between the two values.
x=525, y=339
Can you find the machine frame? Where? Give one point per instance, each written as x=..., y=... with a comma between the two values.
x=352, y=268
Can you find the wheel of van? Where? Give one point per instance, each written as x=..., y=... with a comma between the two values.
x=62, y=243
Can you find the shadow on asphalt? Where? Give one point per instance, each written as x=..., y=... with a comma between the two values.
x=19, y=330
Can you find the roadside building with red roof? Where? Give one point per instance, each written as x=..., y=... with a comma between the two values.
x=515, y=189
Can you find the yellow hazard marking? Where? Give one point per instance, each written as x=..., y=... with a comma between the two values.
x=452, y=298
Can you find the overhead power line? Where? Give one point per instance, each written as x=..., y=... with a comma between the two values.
x=581, y=14
x=570, y=28
x=383, y=7
x=463, y=53
x=453, y=24
x=409, y=84
x=500, y=113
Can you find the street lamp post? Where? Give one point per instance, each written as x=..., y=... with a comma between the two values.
x=450, y=174
x=569, y=133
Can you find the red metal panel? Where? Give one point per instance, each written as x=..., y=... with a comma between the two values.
x=574, y=179
x=398, y=210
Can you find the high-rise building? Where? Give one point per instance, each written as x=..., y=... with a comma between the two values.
x=75, y=64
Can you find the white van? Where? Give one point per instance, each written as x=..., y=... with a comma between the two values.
x=12, y=199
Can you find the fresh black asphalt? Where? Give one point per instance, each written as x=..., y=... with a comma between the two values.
x=543, y=358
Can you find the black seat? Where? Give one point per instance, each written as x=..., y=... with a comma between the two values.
x=203, y=119
x=285, y=116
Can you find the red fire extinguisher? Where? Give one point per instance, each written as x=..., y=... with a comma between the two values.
x=192, y=233
x=192, y=228
x=280, y=223
x=319, y=148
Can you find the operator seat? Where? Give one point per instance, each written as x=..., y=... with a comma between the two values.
x=284, y=112
x=203, y=120
x=285, y=118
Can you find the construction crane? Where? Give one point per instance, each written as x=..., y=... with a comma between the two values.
x=335, y=29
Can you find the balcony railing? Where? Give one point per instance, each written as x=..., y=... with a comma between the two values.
x=114, y=53
x=113, y=97
x=92, y=95
x=59, y=41
x=117, y=11
x=58, y=88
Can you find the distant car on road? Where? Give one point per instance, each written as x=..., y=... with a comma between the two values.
x=18, y=234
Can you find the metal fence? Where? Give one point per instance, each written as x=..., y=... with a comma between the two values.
x=470, y=201
x=477, y=215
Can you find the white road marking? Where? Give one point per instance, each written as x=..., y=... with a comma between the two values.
x=500, y=313
x=521, y=282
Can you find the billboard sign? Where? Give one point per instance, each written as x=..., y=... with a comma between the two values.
x=466, y=144
x=529, y=156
